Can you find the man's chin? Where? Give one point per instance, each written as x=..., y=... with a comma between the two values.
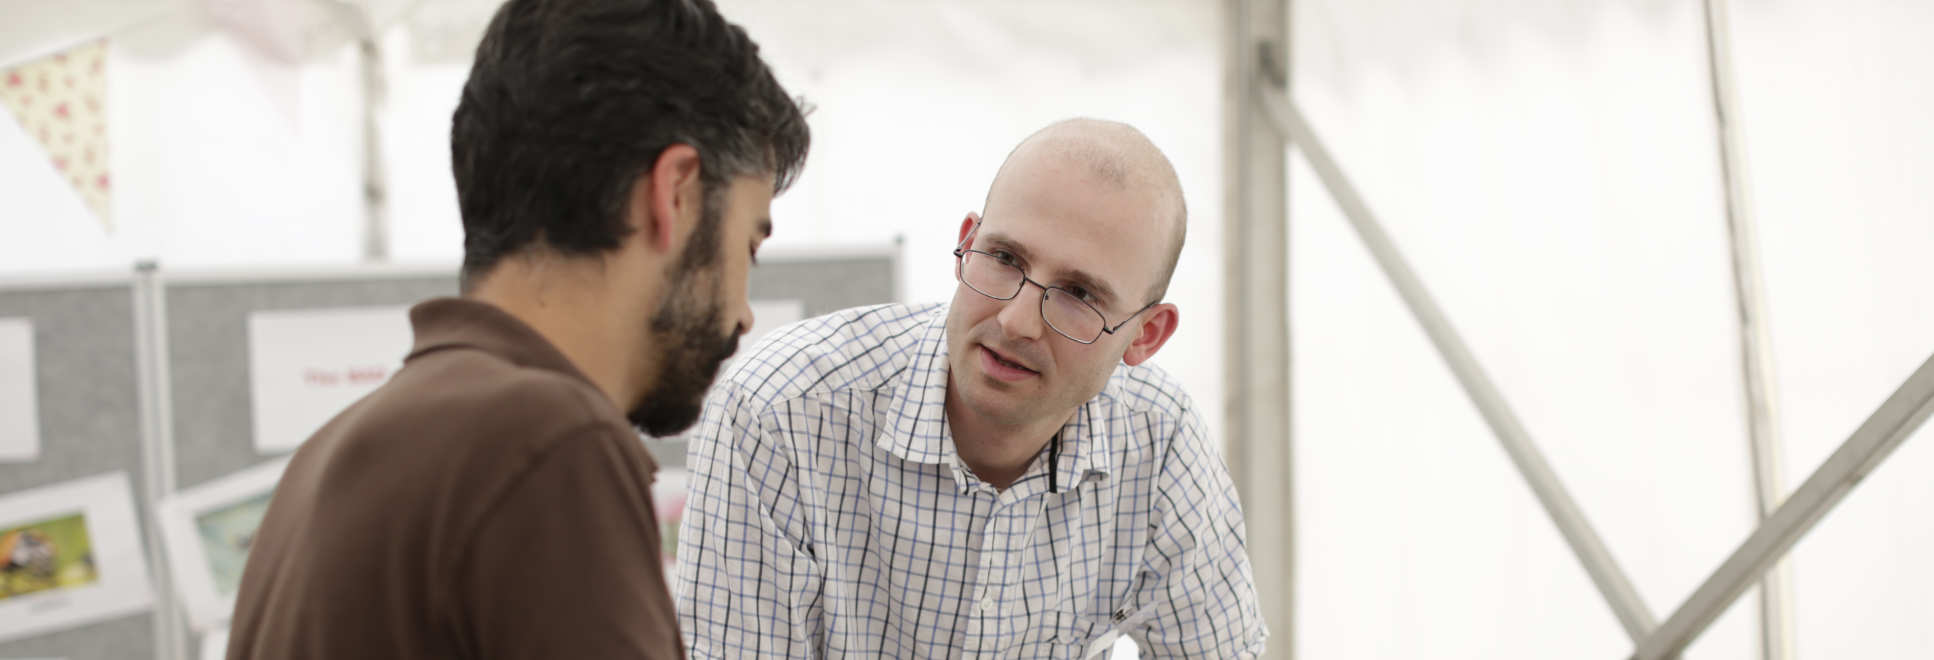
x=667, y=420
x=680, y=399
x=999, y=402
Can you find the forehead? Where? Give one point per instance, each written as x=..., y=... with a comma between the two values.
x=750, y=188
x=747, y=198
x=1067, y=218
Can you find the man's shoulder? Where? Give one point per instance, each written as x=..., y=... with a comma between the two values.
x=860, y=348
x=476, y=400
x=456, y=430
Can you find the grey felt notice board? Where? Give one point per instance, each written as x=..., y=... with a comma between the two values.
x=91, y=422
x=147, y=372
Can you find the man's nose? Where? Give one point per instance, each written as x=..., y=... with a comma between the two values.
x=1020, y=317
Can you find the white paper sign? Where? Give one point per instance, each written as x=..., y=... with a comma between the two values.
x=74, y=556
x=19, y=398
x=305, y=366
x=768, y=315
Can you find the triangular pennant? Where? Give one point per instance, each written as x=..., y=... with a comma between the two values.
x=60, y=100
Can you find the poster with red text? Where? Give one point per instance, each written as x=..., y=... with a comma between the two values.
x=307, y=365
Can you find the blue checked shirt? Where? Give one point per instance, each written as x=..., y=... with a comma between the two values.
x=830, y=516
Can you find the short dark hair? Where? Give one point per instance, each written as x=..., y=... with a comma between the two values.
x=569, y=101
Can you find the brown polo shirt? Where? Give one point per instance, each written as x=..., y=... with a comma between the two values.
x=487, y=502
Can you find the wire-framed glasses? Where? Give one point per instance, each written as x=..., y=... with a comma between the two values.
x=1000, y=278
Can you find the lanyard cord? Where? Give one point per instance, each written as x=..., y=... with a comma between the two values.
x=1054, y=462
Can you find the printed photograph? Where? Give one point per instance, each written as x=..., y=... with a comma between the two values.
x=70, y=555
x=226, y=535
x=46, y=555
x=209, y=529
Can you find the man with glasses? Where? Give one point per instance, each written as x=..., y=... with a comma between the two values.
x=1001, y=476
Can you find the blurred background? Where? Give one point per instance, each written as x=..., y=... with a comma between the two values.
x=1551, y=170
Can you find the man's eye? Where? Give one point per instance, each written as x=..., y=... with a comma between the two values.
x=1005, y=257
x=1080, y=292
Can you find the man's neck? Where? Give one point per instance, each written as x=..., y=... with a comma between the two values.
x=998, y=454
x=571, y=317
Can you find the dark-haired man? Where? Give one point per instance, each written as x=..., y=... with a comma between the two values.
x=615, y=163
x=999, y=477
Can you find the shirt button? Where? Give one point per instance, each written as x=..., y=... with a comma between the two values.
x=987, y=605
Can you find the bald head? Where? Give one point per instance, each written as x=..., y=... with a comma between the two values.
x=1116, y=155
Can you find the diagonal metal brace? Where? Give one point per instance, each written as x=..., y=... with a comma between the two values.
x=1873, y=442
x=1605, y=573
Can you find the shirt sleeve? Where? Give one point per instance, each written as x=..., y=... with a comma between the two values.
x=1197, y=596
x=566, y=563
x=748, y=581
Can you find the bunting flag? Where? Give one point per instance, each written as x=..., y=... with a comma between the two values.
x=60, y=101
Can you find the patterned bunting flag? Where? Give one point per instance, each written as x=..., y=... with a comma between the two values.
x=59, y=100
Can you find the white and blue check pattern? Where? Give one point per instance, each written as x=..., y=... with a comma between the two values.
x=829, y=515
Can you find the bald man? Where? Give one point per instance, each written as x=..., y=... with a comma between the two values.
x=1003, y=476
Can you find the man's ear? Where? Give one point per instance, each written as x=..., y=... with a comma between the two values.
x=967, y=227
x=665, y=200
x=1158, y=324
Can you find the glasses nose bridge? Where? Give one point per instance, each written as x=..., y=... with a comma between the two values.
x=1021, y=280
x=1025, y=280
x=1040, y=304
x=1020, y=287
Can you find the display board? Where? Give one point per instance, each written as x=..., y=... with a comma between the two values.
x=201, y=353
x=88, y=416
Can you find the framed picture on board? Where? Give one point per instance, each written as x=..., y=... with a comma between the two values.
x=208, y=530
x=70, y=555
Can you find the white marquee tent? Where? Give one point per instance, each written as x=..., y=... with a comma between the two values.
x=1608, y=245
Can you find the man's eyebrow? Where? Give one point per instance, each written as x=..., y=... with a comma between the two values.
x=1002, y=242
x=765, y=226
x=1095, y=285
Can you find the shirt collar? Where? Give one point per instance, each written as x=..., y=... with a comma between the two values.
x=916, y=428
x=445, y=323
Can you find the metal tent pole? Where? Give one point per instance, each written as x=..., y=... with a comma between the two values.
x=1558, y=503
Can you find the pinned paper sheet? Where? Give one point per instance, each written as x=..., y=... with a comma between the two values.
x=78, y=546
x=19, y=398
x=768, y=315
x=307, y=365
x=60, y=100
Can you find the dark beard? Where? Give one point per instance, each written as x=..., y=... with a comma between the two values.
x=690, y=317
